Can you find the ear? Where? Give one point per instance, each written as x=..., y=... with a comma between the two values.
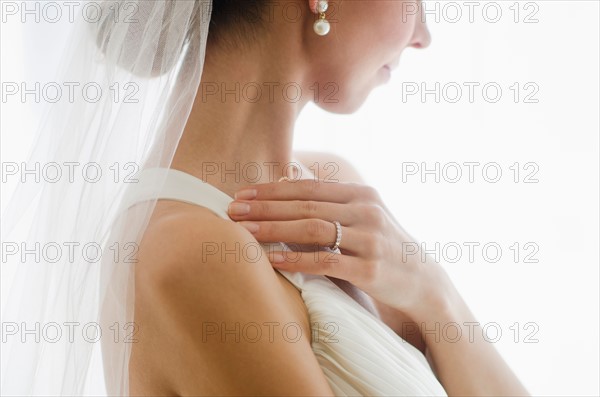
x=313, y=5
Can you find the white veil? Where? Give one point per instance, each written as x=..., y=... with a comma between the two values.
x=134, y=67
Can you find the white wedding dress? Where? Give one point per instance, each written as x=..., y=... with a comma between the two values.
x=358, y=353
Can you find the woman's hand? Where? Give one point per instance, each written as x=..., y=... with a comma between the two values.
x=377, y=255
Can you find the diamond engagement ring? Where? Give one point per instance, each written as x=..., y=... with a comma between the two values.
x=338, y=236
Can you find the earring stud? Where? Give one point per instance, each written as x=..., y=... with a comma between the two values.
x=322, y=26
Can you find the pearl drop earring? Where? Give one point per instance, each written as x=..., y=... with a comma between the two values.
x=322, y=25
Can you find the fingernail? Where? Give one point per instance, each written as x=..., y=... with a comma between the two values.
x=251, y=227
x=239, y=208
x=245, y=194
x=277, y=258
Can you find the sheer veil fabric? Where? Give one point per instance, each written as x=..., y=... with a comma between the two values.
x=67, y=321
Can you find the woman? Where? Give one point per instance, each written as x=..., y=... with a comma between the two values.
x=349, y=314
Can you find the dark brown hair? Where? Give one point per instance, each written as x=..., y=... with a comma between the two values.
x=235, y=22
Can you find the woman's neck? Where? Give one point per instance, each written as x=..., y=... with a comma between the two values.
x=240, y=130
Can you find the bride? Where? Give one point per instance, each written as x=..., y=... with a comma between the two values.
x=254, y=273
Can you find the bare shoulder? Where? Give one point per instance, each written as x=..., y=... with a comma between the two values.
x=180, y=233
x=214, y=317
x=329, y=165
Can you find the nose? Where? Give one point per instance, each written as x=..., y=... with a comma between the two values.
x=421, y=36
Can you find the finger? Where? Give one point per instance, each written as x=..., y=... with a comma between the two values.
x=260, y=210
x=349, y=268
x=309, y=189
x=315, y=232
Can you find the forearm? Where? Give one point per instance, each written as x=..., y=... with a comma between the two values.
x=401, y=324
x=465, y=363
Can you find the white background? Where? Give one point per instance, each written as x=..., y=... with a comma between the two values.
x=559, y=134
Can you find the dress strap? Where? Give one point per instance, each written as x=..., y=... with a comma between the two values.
x=171, y=184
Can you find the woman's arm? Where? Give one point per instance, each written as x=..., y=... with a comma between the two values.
x=467, y=365
x=213, y=319
x=374, y=262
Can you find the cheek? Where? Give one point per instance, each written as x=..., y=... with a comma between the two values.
x=395, y=28
x=369, y=34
